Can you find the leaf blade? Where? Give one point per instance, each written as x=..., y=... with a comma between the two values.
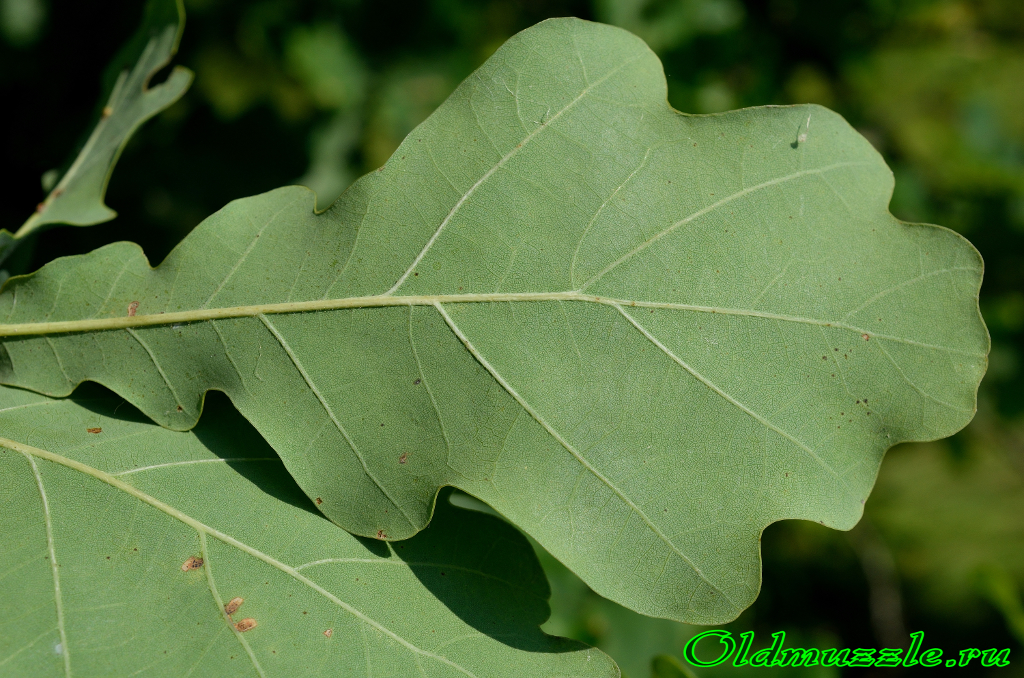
x=78, y=198
x=431, y=328
x=124, y=585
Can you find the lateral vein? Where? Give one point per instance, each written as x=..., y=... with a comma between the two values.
x=736, y=403
x=208, y=567
x=711, y=208
x=54, y=567
x=118, y=484
x=334, y=419
x=575, y=453
x=508, y=156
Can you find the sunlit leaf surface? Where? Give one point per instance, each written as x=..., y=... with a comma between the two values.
x=641, y=336
x=126, y=546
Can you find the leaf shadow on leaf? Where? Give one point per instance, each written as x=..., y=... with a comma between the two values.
x=226, y=433
x=478, y=565
x=508, y=599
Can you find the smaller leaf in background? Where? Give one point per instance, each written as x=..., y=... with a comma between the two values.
x=132, y=546
x=666, y=25
x=330, y=170
x=77, y=199
x=22, y=21
x=667, y=666
x=323, y=59
x=403, y=98
x=996, y=584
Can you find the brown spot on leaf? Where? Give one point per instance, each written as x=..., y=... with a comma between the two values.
x=416, y=383
x=319, y=501
x=864, y=337
x=246, y=624
x=403, y=458
x=94, y=430
x=381, y=535
x=132, y=308
x=40, y=207
x=108, y=111
x=233, y=605
x=192, y=563
x=329, y=632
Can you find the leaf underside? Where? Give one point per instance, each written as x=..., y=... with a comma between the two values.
x=100, y=509
x=641, y=336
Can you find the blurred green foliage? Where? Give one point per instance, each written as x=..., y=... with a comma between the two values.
x=320, y=91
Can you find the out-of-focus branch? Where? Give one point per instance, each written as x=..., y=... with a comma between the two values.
x=885, y=600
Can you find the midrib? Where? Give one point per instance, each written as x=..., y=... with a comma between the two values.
x=386, y=300
x=377, y=301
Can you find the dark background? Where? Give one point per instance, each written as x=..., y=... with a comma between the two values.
x=320, y=91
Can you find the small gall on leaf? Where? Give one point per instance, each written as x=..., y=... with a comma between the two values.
x=108, y=111
x=245, y=625
x=132, y=307
x=233, y=605
x=329, y=632
x=864, y=337
x=319, y=501
x=381, y=534
x=402, y=459
x=192, y=563
x=94, y=430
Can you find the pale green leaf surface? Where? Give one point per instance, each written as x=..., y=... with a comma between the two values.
x=77, y=199
x=641, y=336
x=120, y=510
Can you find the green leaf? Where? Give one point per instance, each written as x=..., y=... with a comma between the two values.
x=639, y=335
x=667, y=666
x=101, y=510
x=77, y=199
x=666, y=25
